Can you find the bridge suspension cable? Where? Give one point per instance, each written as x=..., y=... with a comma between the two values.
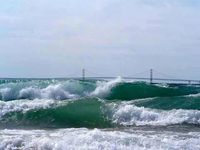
x=140, y=73
x=165, y=75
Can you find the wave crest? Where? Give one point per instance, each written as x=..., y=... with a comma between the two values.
x=127, y=114
x=25, y=105
x=45, y=90
x=89, y=113
x=103, y=87
x=114, y=89
x=51, y=92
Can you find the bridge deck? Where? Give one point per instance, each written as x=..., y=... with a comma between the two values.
x=154, y=80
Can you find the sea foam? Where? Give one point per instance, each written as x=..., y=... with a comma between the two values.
x=70, y=139
x=103, y=87
x=47, y=90
x=128, y=114
x=25, y=105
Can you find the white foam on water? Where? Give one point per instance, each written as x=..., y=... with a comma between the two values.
x=96, y=139
x=193, y=95
x=30, y=92
x=51, y=92
x=137, y=100
x=25, y=105
x=48, y=90
x=5, y=93
x=129, y=114
x=103, y=87
x=162, y=85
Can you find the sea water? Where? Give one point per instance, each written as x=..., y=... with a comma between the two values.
x=98, y=114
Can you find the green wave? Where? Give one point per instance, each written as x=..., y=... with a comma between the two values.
x=96, y=113
x=78, y=113
x=111, y=90
x=129, y=91
x=168, y=103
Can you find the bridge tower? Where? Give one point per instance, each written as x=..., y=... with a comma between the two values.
x=151, y=76
x=83, y=74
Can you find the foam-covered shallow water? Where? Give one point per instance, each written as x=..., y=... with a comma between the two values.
x=92, y=114
x=81, y=138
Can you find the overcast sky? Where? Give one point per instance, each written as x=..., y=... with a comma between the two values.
x=54, y=38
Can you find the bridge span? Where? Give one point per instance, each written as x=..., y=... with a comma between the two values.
x=151, y=79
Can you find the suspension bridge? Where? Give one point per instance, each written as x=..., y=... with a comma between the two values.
x=151, y=78
x=167, y=79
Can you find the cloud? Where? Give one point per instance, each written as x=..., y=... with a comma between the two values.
x=84, y=33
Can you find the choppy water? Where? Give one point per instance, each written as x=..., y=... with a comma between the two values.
x=116, y=114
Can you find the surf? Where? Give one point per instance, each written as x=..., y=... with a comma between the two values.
x=83, y=138
x=117, y=89
x=91, y=113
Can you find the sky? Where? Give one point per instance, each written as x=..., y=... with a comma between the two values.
x=48, y=38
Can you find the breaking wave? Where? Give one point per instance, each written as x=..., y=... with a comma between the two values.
x=64, y=114
x=57, y=90
x=96, y=104
x=127, y=115
x=90, y=113
x=68, y=89
x=104, y=88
